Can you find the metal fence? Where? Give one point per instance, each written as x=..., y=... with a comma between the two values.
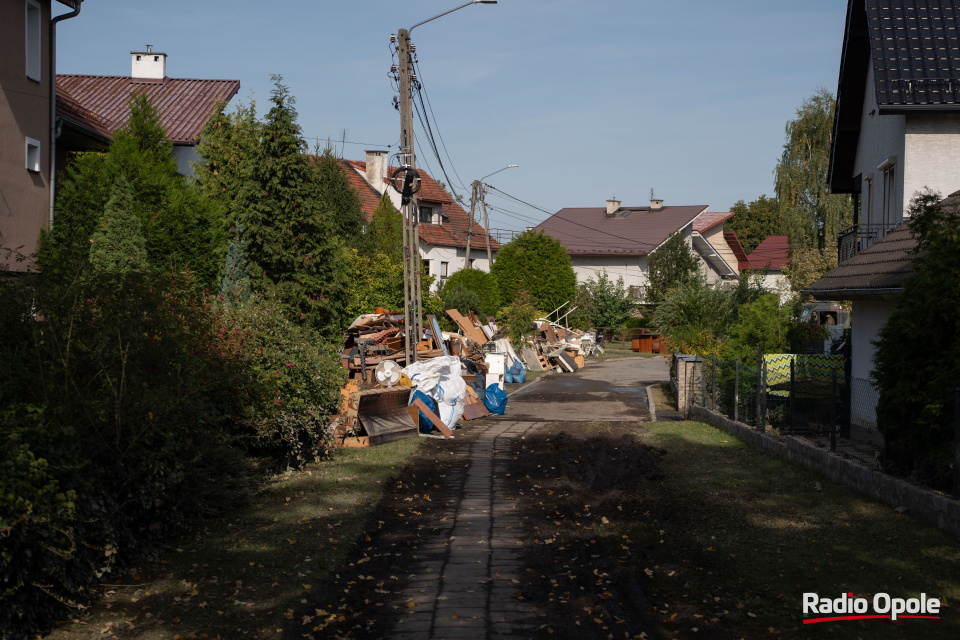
x=799, y=395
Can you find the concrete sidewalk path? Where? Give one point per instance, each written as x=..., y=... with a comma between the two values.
x=466, y=575
x=466, y=578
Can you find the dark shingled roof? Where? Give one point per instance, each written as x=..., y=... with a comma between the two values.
x=632, y=231
x=880, y=270
x=183, y=105
x=915, y=48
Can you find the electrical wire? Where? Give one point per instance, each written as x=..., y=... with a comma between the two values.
x=423, y=89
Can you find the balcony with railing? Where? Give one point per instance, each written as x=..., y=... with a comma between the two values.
x=859, y=237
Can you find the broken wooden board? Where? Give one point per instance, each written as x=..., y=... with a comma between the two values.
x=383, y=415
x=419, y=407
x=568, y=363
x=475, y=411
x=468, y=327
x=531, y=359
x=437, y=335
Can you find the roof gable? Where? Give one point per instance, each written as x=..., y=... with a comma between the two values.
x=184, y=105
x=456, y=222
x=590, y=231
x=915, y=49
x=772, y=253
x=709, y=219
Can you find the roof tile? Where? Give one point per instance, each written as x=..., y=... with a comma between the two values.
x=184, y=105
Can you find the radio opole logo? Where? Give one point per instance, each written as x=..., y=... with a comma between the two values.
x=882, y=607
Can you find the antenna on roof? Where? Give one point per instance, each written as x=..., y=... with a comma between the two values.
x=651, y=194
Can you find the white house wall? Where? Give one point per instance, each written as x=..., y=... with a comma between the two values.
x=454, y=258
x=633, y=269
x=881, y=136
x=868, y=316
x=185, y=156
x=932, y=154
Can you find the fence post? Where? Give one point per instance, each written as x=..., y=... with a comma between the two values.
x=793, y=424
x=956, y=443
x=766, y=408
x=713, y=375
x=758, y=419
x=833, y=410
x=736, y=391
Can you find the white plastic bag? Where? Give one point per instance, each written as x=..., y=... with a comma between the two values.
x=440, y=379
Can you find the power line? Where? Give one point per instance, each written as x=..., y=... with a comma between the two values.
x=437, y=124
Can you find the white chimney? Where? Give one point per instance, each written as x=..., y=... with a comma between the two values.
x=148, y=64
x=377, y=170
x=613, y=205
x=656, y=205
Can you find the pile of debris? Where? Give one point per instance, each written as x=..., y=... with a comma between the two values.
x=455, y=376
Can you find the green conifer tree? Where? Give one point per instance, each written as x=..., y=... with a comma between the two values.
x=118, y=246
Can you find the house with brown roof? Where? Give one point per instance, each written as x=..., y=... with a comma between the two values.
x=92, y=107
x=896, y=131
x=618, y=240
x=27, y=126
x=443, y=224
x=768, y=259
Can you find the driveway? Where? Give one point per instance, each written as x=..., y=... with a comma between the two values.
x=611, y=390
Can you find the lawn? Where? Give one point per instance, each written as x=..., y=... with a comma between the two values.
x=680, y=530
x=243, y=575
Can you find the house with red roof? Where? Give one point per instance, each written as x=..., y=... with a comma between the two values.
x=618, y=240
x=91, y=107
x=27, y=126
x=768, y=259
x=443, y=224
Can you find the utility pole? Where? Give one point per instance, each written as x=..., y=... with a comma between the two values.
x=412, y=312
x=473, y=206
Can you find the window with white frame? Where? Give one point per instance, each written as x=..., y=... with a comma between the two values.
x=33, y=155
x=444, y=269
x=33, y=39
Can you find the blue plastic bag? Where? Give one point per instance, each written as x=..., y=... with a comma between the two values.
x=495, y=400
x=424, y=423
x=516, y=373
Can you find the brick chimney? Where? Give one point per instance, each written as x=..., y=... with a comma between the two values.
x=377, y=170
x=613, y=205
x=148, y=64
x=656, y=205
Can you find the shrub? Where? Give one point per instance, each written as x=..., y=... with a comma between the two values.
x=480, y=283
x=538, y=264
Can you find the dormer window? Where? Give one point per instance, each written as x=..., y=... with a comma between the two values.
x=431, y=215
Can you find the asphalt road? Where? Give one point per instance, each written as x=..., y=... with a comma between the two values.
x=611, y=390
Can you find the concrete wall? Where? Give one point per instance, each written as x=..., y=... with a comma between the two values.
x=927, y=505
x=24, y=112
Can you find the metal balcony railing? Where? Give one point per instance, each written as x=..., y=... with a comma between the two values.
x=859, y=237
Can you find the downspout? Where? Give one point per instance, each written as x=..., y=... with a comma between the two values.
x=54, y=132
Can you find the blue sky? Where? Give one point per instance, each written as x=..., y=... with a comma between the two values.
x=593, y=99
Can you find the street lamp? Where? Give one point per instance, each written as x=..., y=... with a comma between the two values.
x=479, y=191
x=413, y=305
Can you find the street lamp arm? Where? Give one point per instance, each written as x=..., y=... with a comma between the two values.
x=509, y=166
x=466, y=4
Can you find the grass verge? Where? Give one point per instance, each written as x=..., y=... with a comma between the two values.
x=243, y=575
x=677, y=529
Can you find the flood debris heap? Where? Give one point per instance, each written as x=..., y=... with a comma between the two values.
x=455, y=376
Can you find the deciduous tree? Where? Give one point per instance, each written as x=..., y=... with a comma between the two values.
x=538, y=264
x=672, y=264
